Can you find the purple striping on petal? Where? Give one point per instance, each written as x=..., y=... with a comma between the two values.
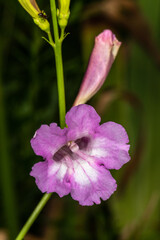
x=78, y=158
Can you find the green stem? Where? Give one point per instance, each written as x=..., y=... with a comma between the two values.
x=50, y=39
x=62, y=34
x=34, y=215
x=59, y=65
x=57, y=46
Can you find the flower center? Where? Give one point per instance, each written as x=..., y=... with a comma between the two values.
x=71, y=148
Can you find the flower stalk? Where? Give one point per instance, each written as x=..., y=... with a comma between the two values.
x=33, y=216
x=59, y=65
x=57, y=46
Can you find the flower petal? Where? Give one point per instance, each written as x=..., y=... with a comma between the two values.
x=51, y=176
x=109, y=146
x=90, y=183
x=47, y=140
x=81, y=120
x=84, y=179
x=114, y=132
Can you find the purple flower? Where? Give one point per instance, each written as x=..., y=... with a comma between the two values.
x=78, y=158
x=104, y=52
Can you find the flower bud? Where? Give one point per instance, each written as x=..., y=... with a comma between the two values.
x=104, y=52
x=39, y=17
x=63, y=12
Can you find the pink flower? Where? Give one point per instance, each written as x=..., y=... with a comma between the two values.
x=77, y=159
x=103, y=55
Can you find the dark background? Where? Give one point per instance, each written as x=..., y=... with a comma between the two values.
x=130, y=96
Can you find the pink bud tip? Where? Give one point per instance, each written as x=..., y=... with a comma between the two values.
x=102, y=57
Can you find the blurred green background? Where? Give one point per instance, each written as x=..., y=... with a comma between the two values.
x=130, y=96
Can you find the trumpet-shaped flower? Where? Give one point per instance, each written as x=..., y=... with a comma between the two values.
x=104, y=52
x=77, y=159
x=39, y=17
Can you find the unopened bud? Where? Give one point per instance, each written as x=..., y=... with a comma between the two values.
x=63, y=12
x=39, y=17
x=104, y=52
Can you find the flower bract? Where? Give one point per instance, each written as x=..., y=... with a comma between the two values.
x=77, y=159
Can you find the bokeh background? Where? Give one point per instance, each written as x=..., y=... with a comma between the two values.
x=130, y=96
